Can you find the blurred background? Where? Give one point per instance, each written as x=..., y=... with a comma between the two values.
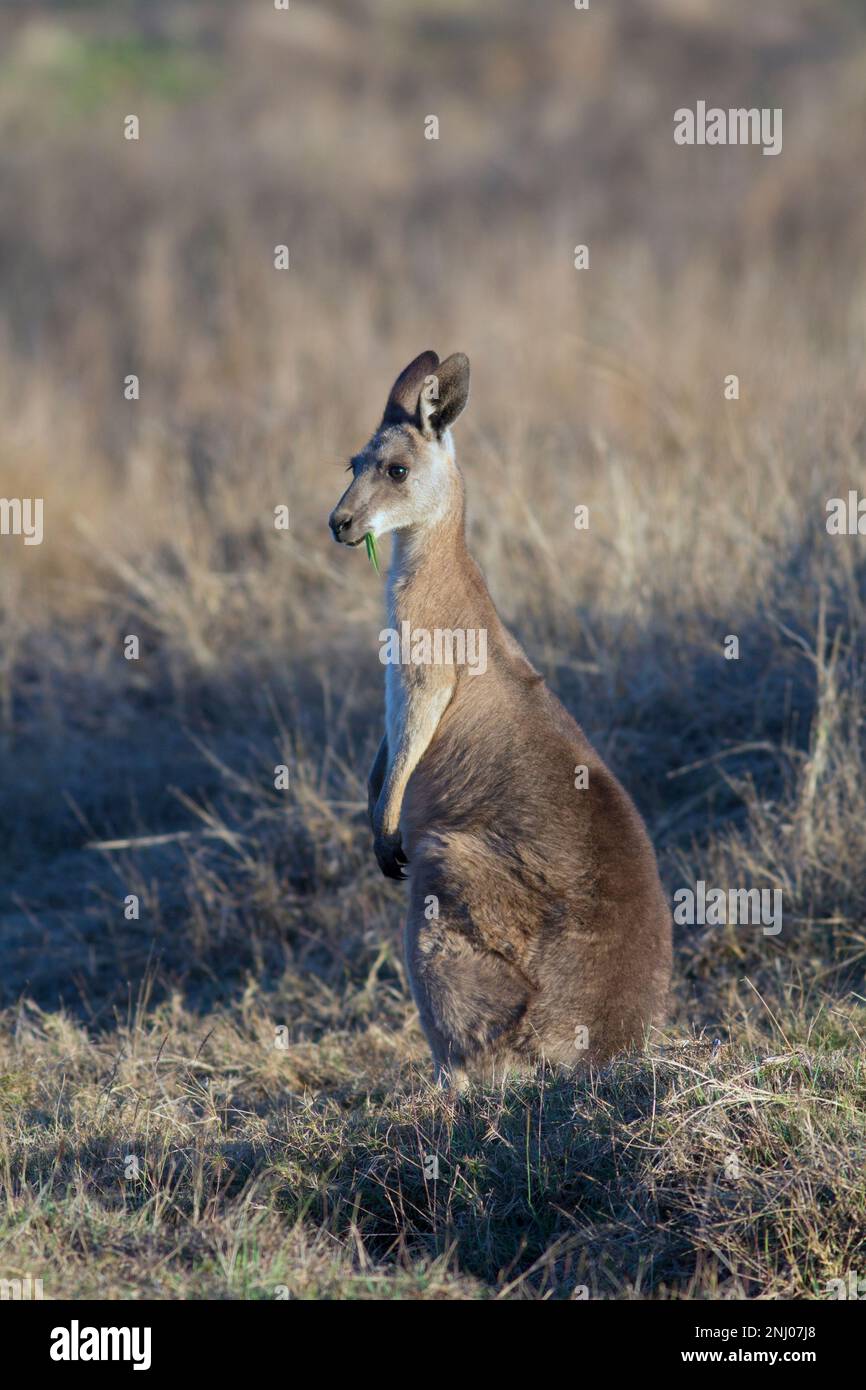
x=602, y=387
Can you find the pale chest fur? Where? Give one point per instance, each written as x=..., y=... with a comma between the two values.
x=395, y=709
x=413, y=693
x=396, y=695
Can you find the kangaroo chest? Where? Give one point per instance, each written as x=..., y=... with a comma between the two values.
x=395, y=688
x=395, y=709
x=422, y=661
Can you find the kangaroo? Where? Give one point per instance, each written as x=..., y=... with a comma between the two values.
x=537, y=926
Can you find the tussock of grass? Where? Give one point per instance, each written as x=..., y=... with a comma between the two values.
x=682, y=1174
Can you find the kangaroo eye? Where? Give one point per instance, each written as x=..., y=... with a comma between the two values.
x=397, y=472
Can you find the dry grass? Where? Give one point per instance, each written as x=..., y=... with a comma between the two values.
x=303, y=1166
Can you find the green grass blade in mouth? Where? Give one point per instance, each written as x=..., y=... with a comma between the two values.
x=372, y=553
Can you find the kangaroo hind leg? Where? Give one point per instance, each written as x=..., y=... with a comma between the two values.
x=471, y=1001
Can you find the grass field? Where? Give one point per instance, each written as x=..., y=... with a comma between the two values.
x=228, y=1096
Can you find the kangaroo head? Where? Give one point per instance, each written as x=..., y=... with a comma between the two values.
x=406, y=476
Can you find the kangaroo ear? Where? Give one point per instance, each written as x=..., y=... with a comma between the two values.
x=445, y=393
x=402, y=404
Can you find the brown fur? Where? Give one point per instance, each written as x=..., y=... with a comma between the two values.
x=551, y=916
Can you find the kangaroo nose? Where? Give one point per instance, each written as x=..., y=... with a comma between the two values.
x=340, y=522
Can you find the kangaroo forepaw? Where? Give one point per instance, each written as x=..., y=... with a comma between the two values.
x=389, y=855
